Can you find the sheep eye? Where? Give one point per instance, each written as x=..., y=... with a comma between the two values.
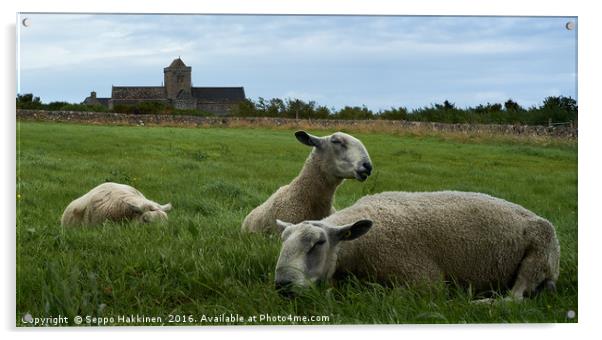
x=317, y=244
x=339, y=143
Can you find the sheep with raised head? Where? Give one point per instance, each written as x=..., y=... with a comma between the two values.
x=113, y=202
x=310, y=195
x=472, y=238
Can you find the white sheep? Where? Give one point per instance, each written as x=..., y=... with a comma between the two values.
x=473, y=238
x=114, y=202
x=310, y=195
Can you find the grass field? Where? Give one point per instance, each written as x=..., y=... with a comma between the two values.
x=200, y=264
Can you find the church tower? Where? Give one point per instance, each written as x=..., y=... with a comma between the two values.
x=177, y=78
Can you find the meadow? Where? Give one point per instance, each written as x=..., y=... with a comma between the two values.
x=200, y=264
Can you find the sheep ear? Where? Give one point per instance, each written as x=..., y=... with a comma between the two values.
x=282, y=225
x=134, y=208
x=307, y=139
x=352, y=231
x=166, y=207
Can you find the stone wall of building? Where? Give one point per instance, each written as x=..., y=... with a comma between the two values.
x=393, y=126
x=221, y=109
x=187, y=104
x=177, y=79
x=138, y=92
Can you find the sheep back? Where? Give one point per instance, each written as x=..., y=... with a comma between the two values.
x=470, y=237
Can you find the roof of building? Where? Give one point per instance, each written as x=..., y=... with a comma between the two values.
x=138, y=92
x=177, y=63
x=103, y=101
x=219, y=94
x=96, y=101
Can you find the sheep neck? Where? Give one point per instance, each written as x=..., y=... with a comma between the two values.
x=332, y=262
x=315, y=182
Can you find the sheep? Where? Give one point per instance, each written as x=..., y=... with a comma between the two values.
x=424, y=237
x=114, y=202
x=309, y=196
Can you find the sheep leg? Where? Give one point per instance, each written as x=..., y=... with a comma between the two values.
x=531, y=274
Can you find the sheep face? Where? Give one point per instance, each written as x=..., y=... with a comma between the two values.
x=345, y=156
x=153, y=216
x=150, y=212
x=309, y=251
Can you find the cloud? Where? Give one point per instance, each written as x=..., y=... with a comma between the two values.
x=87, y=38
x=490, y=96
x=306, y=96
x=335, y=60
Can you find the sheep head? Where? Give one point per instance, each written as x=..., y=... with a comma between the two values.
x=148, y=212
x=309, y=251
x=343, y=155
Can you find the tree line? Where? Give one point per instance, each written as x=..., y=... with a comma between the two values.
x=554, y=109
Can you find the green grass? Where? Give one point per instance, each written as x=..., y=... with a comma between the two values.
x=200, y=263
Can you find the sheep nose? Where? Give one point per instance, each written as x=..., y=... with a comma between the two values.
x=368, y=167
x=284, y=287
x=283, y=284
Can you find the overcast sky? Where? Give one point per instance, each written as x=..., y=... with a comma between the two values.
x=376, y=61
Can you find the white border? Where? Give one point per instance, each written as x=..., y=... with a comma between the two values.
x=589, y=165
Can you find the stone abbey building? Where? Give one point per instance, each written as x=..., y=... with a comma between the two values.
x=177, y=92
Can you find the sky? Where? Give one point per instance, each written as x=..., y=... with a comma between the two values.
x=374, y=61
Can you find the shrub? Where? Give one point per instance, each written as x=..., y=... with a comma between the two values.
x=354, y=112
x=28, y=101
x=143, y=108
x=400, y=113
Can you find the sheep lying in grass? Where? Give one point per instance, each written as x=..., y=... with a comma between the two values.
x=310, y=195
x=472, y=238
x=114, y=202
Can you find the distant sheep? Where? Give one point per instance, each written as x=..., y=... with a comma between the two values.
x=473, y=238
x=309, y=196
x=114, y=202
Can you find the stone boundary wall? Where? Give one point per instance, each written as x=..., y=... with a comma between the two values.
x=109, y=118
